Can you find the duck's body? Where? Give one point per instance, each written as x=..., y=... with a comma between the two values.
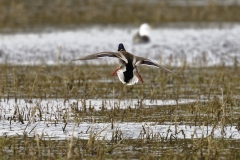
x=143, y=34
x=127, y=72
x=138, y=39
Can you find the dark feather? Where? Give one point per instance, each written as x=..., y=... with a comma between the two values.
x=147, y=62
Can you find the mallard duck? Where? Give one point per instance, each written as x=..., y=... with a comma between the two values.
x=143, y=34
x=128, y=71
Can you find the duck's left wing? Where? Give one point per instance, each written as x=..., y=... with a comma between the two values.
x=145, y=61
x=99, y=55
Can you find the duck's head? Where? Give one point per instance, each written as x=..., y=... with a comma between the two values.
x=144, y=30
x=121, y=47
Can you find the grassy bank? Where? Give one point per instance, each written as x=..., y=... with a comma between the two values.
x=59, y=13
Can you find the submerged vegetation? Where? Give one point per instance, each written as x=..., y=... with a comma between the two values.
x=215, y=91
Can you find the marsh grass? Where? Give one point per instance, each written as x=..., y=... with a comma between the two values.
x=26, y=14
x=215, y=89
x=200, y=148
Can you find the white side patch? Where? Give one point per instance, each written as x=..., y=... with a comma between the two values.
x=133, y=81
x=120, y=74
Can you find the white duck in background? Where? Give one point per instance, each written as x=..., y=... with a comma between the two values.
x=143, y=34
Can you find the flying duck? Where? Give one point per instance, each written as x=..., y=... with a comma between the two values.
x=128, y=71
x=143, y=34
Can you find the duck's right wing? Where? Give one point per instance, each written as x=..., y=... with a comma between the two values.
x=148, y=62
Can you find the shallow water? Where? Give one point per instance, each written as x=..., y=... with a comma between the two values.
x=196, y=46
x=51, y=122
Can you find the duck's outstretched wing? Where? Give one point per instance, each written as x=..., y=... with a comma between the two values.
x=102, y=54
x=145, y=61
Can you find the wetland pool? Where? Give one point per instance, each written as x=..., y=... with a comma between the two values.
x=56, y=119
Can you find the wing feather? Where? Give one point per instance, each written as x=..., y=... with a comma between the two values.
x=100, y=55
x=145, y=61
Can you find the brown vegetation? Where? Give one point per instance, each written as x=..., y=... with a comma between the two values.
x=61, y=13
